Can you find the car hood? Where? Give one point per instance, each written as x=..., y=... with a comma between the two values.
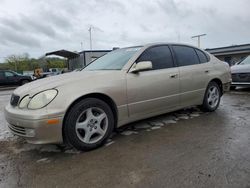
x=63, y=79
x=240, y=69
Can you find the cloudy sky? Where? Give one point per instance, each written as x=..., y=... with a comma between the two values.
x=41, y=26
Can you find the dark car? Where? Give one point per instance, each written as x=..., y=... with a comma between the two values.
x=8, y=78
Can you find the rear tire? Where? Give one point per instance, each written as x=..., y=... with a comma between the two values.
x=212, y=97
x=88, y=124
x=24, y=82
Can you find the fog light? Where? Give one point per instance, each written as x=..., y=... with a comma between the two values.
x=30, y=132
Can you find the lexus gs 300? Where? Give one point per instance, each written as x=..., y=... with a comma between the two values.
x=83, y=108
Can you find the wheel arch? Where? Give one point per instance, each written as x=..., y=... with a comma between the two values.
x=219, y=82
x=107, y=99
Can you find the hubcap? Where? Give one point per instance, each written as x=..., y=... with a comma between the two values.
x=213, y=96
x=91, y=125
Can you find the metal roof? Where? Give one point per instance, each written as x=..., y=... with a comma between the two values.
x=95, y=51
x=227, y=50
x=70, y=55
x=64, y=53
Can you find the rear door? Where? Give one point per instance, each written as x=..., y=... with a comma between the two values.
x=194, y=75
x=11, y=78
x=156, y=90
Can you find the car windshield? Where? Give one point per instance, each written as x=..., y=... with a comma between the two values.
x=246, y=61
x=114, y=60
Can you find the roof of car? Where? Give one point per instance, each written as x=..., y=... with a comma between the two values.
x=167, y=43
x=162, y=43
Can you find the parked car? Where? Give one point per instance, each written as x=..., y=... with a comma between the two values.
x=241, y=73
x=10, y=78
x=46, y=74
x=55, y=71
x=39, y=74
x=83, y=108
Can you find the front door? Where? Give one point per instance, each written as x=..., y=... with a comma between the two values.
x=157, y=90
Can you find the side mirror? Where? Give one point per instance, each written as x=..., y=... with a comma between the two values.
x=141, y=66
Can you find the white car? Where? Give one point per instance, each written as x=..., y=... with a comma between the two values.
x=241, y=73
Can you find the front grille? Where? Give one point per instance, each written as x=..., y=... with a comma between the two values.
x=14, y=100
x=241, y=77
x=17, y=130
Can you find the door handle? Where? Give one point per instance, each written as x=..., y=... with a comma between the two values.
x=173, y=75
x=206, y=71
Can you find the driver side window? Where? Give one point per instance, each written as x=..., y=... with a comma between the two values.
x=160, y=56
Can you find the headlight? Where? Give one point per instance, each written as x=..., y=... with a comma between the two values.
x=24, y=102
x=32, y=77
x=42, y=99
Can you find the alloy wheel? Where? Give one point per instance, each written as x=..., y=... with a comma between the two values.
x=213, y=96
x=91, y=125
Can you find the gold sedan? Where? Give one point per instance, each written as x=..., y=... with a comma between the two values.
x=83, y=108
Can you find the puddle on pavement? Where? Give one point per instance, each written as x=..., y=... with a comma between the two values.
x=160, y=121
x=43, y=160
x=128, y=132
x=7, y=136
x=109, y=142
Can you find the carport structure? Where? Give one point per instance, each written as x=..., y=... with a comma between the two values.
x=77, y=60
x=231, y=54
x=70, y=56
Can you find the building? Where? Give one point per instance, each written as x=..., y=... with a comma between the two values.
x=77, y=60
x=231, y=54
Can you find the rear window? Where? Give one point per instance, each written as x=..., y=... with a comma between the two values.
x=202, y=56
x=9, y=74
x=185, y=55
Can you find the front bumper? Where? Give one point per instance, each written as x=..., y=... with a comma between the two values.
x=240, y=84
x=34, y=129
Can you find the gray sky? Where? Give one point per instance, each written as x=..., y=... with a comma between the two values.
x=40, y=26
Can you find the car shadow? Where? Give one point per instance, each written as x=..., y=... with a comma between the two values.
x=241, y=89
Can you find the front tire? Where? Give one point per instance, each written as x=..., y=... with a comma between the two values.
x=88, y=124
x=212, y=97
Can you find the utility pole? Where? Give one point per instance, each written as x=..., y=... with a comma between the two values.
x=179, y=37
x=198, y=36
x=15, y=66
x=90, y=37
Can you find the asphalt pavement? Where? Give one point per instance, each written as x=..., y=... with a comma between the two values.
x=187, y=148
